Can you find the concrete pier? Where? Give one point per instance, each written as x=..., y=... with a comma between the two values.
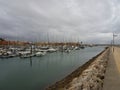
x=112, y=75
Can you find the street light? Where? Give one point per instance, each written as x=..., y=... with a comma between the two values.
x=114, y=35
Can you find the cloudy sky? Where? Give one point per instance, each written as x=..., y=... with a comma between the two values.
x=60, y=20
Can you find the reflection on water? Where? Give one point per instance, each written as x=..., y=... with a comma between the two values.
x=38, y=72
x=31, y=61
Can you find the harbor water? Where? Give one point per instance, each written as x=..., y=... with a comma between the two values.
x=36, y=73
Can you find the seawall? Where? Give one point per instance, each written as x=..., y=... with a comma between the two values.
x=89, y=76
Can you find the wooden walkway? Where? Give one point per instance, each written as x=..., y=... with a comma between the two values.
x=112, y=76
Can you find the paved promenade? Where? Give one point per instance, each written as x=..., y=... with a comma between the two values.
x=112, y=76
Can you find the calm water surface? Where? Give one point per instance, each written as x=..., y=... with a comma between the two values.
x=39, y=72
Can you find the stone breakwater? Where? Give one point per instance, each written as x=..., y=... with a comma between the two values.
x=90, y=76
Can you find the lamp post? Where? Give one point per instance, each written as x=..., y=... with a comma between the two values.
x=114, y=40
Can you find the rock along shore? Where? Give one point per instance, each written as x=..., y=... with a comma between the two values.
x=89, y=76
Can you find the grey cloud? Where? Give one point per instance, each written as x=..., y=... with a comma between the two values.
x=70, y=20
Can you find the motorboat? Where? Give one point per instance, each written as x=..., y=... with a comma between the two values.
x=40, y=54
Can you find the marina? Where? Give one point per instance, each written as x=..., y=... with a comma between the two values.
x=34, y=50
x=59, y=45
x=37, y=73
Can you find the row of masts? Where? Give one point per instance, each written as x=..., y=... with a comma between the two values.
x=32, y=51
x=35, y=49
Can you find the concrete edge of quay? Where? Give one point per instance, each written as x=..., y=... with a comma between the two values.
x=112, y=75
x=64, y=83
